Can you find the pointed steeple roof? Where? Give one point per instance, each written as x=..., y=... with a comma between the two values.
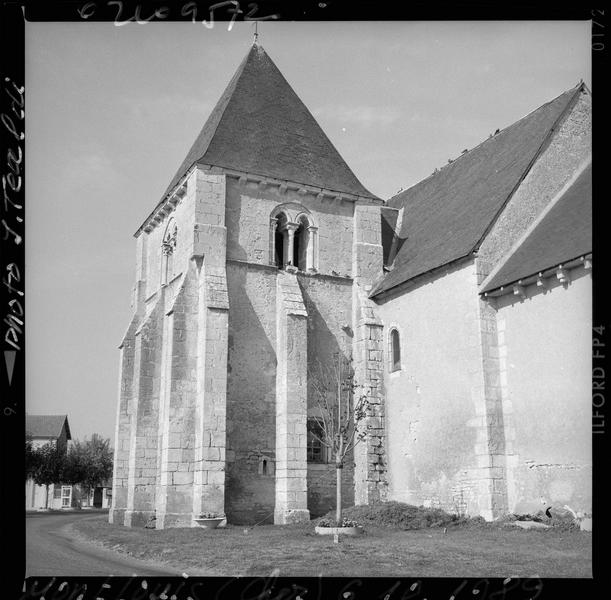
x=260, y=126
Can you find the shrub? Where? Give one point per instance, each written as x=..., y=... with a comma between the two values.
x=330, y=522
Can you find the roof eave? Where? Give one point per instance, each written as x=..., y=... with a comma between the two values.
x=540, y=277
x=416, y=279
x=179, y=191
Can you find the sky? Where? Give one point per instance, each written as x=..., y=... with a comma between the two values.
x=111, y=112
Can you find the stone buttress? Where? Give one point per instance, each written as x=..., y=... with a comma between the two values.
x=171, y=422
x=125, y=415
x=370, y=454
x=291, y=402
x=144, y=417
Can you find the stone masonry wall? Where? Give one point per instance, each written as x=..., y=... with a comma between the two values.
x=491, y=446
x=328, y=302
x=204, y=437
x=210, y=239
x=249, y=206
x=177, y=406
x=321, y=487
x=291, y=401
x=370, y=455
x=123, y=425
x=252, y=296
x=435, y=403
x=545, y=377
x=125, y=418
x=251, y=393
x=176, y=442
x=142, y=475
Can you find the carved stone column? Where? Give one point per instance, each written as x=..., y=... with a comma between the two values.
x=273, y=227
x=291, y=228
x=312, y=252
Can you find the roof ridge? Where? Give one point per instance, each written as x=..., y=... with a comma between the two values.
x=534, y=158
x=224, y=99
x=232, y=82
x=491, y=137
x=260, y=49
x=261, y=125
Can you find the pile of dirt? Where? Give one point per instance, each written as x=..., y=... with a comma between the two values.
x=557, y=518
x=397, y=515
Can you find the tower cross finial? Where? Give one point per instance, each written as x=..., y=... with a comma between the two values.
x=256, y=32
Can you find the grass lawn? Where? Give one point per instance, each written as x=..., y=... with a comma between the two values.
x=467, y=550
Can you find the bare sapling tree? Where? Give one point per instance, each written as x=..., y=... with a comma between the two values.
x=341, y=411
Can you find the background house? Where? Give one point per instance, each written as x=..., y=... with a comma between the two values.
x=97, y=497
x=54, y=429
x=44, y=429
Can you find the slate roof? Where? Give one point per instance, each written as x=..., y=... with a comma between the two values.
x=563, y=233
x=46, y=426
x=260, y=126
x=447, y=215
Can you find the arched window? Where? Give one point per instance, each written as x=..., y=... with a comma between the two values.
x=292, y=238
x=168, y=246
x=394, y=350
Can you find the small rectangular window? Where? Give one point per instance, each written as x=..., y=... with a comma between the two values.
x=395, y=351
x=316, y=449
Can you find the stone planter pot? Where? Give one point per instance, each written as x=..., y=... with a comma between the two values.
x=339, y=530
x=209, y=523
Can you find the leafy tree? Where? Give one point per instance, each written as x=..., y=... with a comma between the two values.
x=46, y=466
x=30, y=456
x=88, y=463
x=340, y=415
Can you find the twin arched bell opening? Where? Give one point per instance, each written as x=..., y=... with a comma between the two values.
x=293, y=240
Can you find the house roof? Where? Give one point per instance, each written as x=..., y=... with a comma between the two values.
x=447, y=215
x=563, y=232
x=46, y=426
x=260, y=126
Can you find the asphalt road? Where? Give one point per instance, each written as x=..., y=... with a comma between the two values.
x=52, y=550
